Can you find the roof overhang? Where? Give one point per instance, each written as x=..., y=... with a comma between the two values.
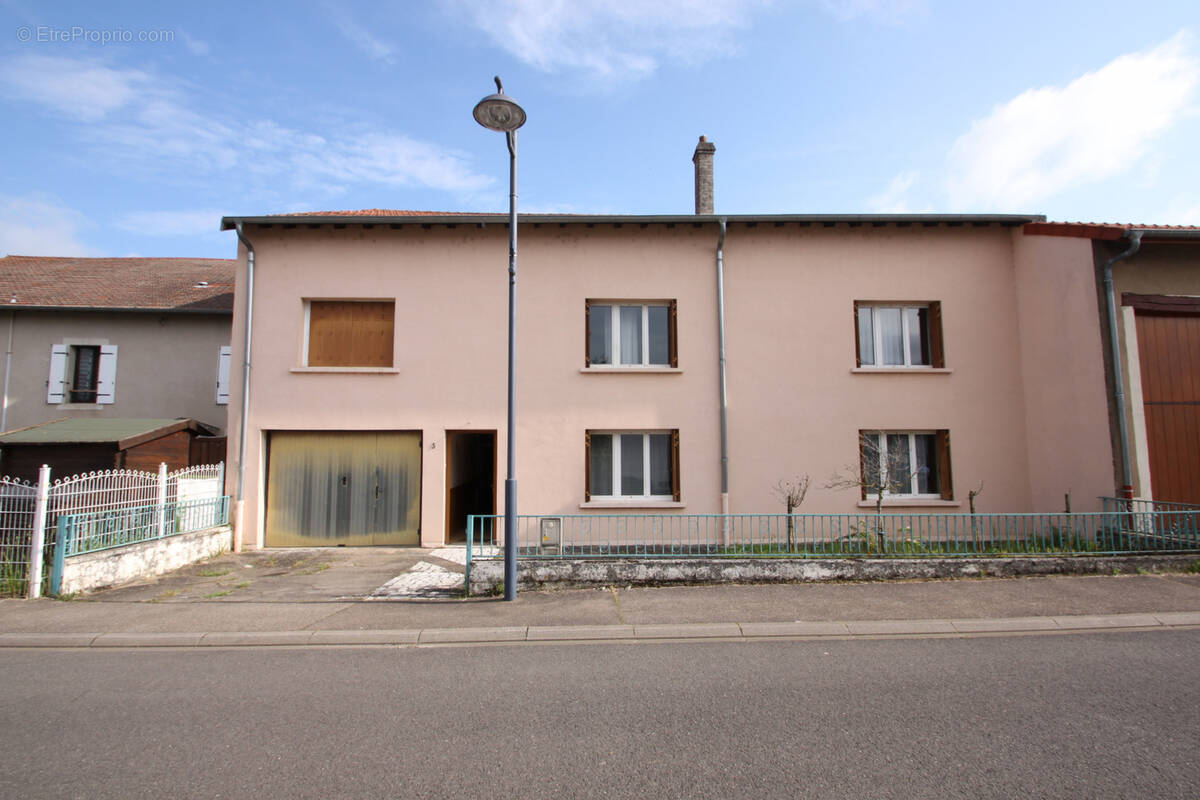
x=1110, y=232
x=482, y=220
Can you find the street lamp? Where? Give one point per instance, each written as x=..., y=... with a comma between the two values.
x=499, y=112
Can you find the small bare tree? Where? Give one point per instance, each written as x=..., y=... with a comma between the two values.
x=877, y=473
x=792, y=493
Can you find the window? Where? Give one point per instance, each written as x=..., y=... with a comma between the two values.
x=630, y=334
x=350, y=333
x=899, y=335
x=632, y=465
x=905, y=464
x=82, y=373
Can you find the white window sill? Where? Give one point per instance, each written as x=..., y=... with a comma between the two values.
x=351, y=370
x=80, y=406
x=632, y=504
x=902, y=370
x=629, y=369
x=912, y=502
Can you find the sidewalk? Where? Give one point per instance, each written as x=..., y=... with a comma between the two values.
x=322, y=597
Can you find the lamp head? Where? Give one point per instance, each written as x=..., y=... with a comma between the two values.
x=499, y=112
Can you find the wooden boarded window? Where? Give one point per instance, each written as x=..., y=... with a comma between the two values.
x=351, y=333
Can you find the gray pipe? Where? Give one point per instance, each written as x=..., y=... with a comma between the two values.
x=721, y=366
x=1135, y=242
x=12, y=318
x=241, y=473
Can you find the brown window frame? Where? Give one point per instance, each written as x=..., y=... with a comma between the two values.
x=617, y=498
x=944, y=465
x=364, y=342
x=672, y=332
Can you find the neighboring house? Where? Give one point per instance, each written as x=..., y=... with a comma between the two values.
x=73, y=446
x=1156, y=294
x=950, y=351
x=98, y=338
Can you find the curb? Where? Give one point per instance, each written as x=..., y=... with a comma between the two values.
x=745, y=631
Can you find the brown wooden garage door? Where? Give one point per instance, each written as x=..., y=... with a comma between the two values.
x=1169, y=350
x=329, y=488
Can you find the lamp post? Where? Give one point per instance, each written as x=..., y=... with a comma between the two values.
x=499, y=112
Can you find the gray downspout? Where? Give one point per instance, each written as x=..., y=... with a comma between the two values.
x=239, y=500
x=12, y=318
x=721, y=372
x=1135, y=242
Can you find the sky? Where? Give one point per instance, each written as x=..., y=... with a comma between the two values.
x=130, y=129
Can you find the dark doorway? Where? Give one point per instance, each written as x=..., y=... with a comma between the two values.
x=470, y=479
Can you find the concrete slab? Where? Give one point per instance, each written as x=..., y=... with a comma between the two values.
x=1005, y=625
x=752, y=629
x=468, y=635
x=1179, y=618
x=1108, y=621
x=148, y=640
x=693, y=631
x=579, y=632
x=255, y=638
x=364, y=637
x=900, y=627
x=46, y=639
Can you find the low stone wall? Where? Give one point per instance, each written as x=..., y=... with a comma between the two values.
x=578, y=573
x=89, y=571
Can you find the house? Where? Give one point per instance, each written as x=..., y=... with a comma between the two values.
x=666, y=364
x=1154, y=283
x=100, y=338
x=74, y=446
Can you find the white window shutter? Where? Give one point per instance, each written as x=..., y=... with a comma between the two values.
x=56, y=383
x=106, y=385
x=223, y=358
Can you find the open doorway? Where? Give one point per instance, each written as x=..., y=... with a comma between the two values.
x=470, y=479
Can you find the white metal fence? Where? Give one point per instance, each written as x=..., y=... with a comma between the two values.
x=23, y=506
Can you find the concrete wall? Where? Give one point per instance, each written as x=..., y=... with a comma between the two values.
x=166, y=364
x=796, y=402
x=89, y=571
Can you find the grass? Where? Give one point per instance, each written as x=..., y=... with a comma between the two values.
x=215, y=595
x=314, y=569
x=213, y=573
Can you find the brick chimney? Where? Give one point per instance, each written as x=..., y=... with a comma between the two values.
x=703, y=159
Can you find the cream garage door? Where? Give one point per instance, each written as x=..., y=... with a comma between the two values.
x=353, y=488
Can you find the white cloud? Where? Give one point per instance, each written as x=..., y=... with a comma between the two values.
x=892, y=199
x=886, y=11
x=196, y=47
x=171, y=223
x=608, y=39
x=360, y=37
x=1047, y=140
x=150, y=123
x=35, y=225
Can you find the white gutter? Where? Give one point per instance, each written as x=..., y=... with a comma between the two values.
x=239, y=500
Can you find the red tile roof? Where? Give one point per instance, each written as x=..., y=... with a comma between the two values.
x=387, y=212
x=152, y=284
x=1098, y=230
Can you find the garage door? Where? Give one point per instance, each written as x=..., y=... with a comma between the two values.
x=1169, y=350
x=353, y=488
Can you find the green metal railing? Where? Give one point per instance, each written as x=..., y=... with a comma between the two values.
x=833, y=535
x=103, y=530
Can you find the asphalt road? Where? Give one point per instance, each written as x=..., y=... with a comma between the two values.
x=1102, y=715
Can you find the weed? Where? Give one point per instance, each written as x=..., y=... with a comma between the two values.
x=215, y=595
x=169, y=593
x=498, y=589
x=213, y=573
x=242, y=585
x=314, y=569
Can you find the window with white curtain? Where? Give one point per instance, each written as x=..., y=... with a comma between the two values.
x=632, y=465
x=626, y=334
x=899, y=335
x=905, y=464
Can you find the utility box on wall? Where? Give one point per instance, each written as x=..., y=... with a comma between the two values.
x=551, y=535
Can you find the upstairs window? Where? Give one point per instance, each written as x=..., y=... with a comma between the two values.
x=632, y=465
x=82, y=373
x=350, y=333
x=899, y=335
x=630, y=334
x=906, y=464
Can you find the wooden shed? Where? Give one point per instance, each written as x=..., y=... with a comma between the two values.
x=72, y=446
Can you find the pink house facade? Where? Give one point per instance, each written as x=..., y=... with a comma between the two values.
x=934, y=354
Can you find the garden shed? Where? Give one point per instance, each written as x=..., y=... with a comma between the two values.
x=72, y=446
